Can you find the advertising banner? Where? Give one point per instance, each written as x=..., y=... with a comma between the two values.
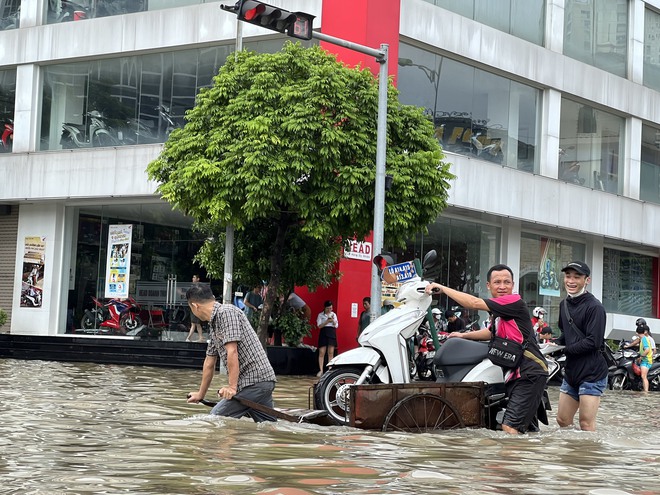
x=32, y=280
x=548, y=276
x=118, y=264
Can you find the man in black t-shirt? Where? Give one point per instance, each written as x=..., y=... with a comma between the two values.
x=525, y=385
x=586, y=368
x=454, y=323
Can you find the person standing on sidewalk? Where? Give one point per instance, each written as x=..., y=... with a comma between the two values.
x=232, y=339
x=582, y=324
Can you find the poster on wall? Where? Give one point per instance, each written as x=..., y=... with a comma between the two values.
x=117, y=272
x=548, y=276
x=32, y=280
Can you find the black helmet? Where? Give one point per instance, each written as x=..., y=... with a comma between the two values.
x=640, y=322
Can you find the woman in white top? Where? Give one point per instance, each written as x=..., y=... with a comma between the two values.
x=328, y=324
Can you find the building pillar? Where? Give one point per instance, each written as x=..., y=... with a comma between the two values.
x=46, y=221
x=369, y=23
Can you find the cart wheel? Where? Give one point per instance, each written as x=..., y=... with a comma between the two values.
x=421, y=413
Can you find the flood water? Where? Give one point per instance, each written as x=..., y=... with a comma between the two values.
x=78, y=428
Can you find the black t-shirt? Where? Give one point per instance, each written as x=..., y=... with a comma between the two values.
x=457, y=325
x=511, y=318
x=584, y=361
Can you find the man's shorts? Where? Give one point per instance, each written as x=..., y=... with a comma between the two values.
x=525, y=395
x=586, y=388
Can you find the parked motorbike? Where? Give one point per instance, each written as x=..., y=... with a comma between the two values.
x=7, y=140
x=425, y=354
x=462, y=360
x=114, y=316
x=624, y=375
x=383, y=355
x=556, y=359
x=491, y=151
x=91, y=134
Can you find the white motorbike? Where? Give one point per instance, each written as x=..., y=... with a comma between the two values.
x=383, y=355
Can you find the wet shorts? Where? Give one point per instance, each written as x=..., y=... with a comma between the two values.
x=586, y=388
x=525, y=395
x=644, y=364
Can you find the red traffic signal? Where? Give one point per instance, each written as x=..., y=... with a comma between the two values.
x=294, y=24
x=382, y=261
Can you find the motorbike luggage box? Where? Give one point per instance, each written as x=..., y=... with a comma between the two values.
x=370, y=404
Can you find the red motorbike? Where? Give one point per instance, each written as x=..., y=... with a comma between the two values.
x=7, y=137
x=114, y=316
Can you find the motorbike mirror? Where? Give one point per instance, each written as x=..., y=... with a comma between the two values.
x=430, y=259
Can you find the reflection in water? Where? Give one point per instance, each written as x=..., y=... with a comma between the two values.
x=86, y=428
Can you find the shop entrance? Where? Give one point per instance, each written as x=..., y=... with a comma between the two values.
x=133, y=285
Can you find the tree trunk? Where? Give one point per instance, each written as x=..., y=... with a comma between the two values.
x=275, y=276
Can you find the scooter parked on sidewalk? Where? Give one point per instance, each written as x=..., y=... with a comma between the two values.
x=626, y=375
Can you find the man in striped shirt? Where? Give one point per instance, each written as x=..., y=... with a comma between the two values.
x=232, y=339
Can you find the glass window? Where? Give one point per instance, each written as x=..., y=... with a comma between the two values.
x=596, y=33
x=649, y=183
x=10, y=14
x=540, y=280
x=64, y=11
x=521, y=18
x=590, y=145
x=127, y=100
x=162, y=247
x=7, y=101
x=466, y=250
x=628, y=283
x=476, y=113
x=652, y=49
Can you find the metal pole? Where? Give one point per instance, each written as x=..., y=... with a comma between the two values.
x=379, y=196
x=229, y=233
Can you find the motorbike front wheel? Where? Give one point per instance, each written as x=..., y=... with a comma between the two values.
x=88, y=321
x=130, y=321
x=619, y=382
x=332, y=392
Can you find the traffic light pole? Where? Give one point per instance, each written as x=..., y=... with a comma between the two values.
x=381, y=146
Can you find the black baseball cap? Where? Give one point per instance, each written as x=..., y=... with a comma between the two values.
x=579, y=266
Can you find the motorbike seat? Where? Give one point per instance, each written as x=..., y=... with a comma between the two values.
x=458, y=351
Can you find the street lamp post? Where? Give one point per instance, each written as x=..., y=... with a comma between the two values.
x=432, y=75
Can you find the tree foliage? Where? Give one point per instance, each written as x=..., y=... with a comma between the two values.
x=283, y=146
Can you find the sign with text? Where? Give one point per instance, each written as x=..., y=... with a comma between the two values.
x=118, y=261
x=402, y=271
x=358, y=251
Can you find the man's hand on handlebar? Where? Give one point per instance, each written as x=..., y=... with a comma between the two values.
x=433, y=288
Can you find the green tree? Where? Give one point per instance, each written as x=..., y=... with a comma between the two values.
x=285, y=143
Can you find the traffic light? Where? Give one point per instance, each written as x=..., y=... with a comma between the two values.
x=382, y=261
x=294, y=24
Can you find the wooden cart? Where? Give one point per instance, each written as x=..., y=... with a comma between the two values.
x=417, y=407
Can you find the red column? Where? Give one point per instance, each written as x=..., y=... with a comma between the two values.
x=369, y=23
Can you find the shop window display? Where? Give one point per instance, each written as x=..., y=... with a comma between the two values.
x=628, y=286
x=127, y=100
x=475, y=112
x=80, y=10
x=540, y=282
x=162, y=247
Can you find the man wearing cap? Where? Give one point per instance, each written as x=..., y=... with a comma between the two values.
x=454, y=323
x=586, y=368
